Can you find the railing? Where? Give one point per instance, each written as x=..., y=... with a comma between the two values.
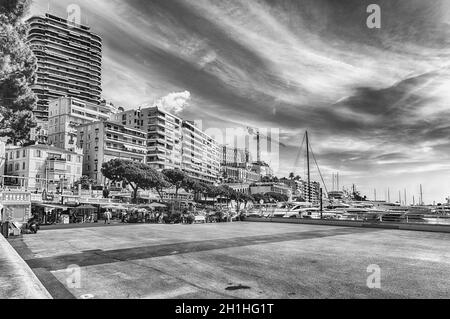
x=381, y=218
x=18, y=197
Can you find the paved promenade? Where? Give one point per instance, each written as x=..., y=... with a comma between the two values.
x=238, y=260
x=17, y=280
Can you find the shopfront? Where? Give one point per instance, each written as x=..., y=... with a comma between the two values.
x=15, y=206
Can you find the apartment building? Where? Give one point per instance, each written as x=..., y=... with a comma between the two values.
x=263, y=169
x=164, y=133
x=108, y=140
x=236, y=166
x=69, y=61
x=201, y=155
x=233, y=156
x=173, y=143
x=264, y=188
x=310, y=192
x=301, y=189
x=66, y=114
x=37, y=166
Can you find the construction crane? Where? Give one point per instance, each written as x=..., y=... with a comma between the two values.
x=259, y=136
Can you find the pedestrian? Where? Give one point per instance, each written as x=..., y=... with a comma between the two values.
x=108, y=216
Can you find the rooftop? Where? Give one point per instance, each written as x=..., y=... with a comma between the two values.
x=47, y=148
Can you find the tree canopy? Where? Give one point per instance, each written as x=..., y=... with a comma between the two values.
x=136, y=175
x=84, y=181
x=177, y=179
x=18, y=67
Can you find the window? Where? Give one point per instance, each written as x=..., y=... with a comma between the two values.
x=69, y=158
x=16, y=167
x=18, y=154
x=38, y=153
x=10, y=168
x=23, y=165
x=24, y=153
x=11, y=156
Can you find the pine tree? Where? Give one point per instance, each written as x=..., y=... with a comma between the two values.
x=18, y=67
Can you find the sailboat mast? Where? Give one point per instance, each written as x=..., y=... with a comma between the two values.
x=421, y=195
x=308, y=166
x=258, y=146
x=406, y=204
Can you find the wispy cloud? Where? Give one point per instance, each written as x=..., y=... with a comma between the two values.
x=375, y=101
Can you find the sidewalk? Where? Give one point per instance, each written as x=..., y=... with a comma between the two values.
x=17, y=280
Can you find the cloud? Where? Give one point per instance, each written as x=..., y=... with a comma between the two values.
x=174, y=103
x=376, y=102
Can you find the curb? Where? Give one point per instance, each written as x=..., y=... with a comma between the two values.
x=341, y=223
x=17, y=280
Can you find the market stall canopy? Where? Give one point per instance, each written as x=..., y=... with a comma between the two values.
x=144, y=206
x=156, y=205
x=86, y=207
x=119, y=207
x=51, y=206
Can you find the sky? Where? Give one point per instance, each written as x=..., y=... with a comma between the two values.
x=376, y=102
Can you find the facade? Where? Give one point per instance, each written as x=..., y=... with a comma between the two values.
x=69, y=61
x=36, y=166
x=263, y=169
x=200, y=154
x=108, y=140
x=300, y=189
x=243, y=188
x=39, y=133
x=175, y=144
x=263, y=188
x=66, y=114
x=164, y=133
x=2, y=157
x=239, y=174
x=236, y=166
x=15, y=206
x=232, y=156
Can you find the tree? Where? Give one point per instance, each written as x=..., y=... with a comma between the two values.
x=248, y=198
x=159, y=183
x=276, y=197
x=266, y=179
x=226, y=192
x=210, y=190
x=238, y=197
x=258, y=197
x=291, y=176
x=18, y=67
x=177, y=178
x=195, y=186
x=85, y=182
x=136, y=175
x=106, y=192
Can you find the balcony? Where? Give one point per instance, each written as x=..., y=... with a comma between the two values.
x=126, y=150
x=56, y=165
